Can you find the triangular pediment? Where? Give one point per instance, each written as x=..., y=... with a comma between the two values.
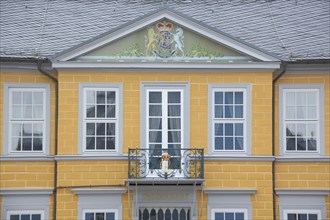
x=164, y=36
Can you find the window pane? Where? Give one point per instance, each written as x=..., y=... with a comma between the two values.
x=90, y=97
x=100, y=97
x=155, y=136
x=301, y=130
x=301, y=144
x=300, y=98
x=155, y=110
x=229, y=145
x=90, y=111
x=302, y=216
x=218, y=129
x=290, y=99
x=311, y=112
x=290, y=130
x=27, y=144
x=38, y=112
x=146, y=214
x=111, y=97
x=290, y=113
x=238, y=97
x=218, y=111
x=311, y=98
x=111, y=111
x=89, y=216
x=27, y=129
x=239, y=111
x=110, y=216
x=238, y=143
x=174, y=97
x=16, y=130
x=16, y=144
x=17, y=111
x=174, y=136
x=239, y=216
x=99, y=216
x=100, y=143
x=218, y=97
x=90, y=128
x=175, y=215
x=111, y=129
x=155, y=123
x=183, y=214
x=37, y=130
x=90, y=143
x=14, y=217
x=100, y=129
x=155, y=97
x=27, y=97
x=25, y=217
x=27, y=111
x=311, y=144
x=100, y=111
x=218, y=143
x=229, y=216
x=290, y=143
x=229, y=97
x=239, y=129
x=37, y=144
x=174, y=123
x=312, y=217
x=292, y=217
x=36, y=217
x=38, y=98
x=229, y=129
x=229, y=112
x=174, y=110
x=301, y=112
x=16, y=98
x=111, y=143
x=219, y=216
x=311, y=130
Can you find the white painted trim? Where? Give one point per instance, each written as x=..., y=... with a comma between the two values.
x=229, y=191
x=303, y=159
x=98, y=191
x=128, y=65
x=237, y=158
x=26, y=191
x=91, y=157
x=165, y=14
x=230, y=210
x=162, y=181
x=308, y=192
x=26, y=158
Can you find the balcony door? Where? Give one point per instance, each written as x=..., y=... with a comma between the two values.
x=164, y=130
x=164, y=213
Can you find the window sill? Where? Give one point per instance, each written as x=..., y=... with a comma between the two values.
x=303, y=158
x=238, y=157
x=94, y=156
x=26, y=157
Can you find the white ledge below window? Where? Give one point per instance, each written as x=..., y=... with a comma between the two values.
x=27, y=158
x=26, y=191
x=103, y=191
x=219, y=157
x=230, y=191
x=303, y=159
x=310, y=192
x=92, y=157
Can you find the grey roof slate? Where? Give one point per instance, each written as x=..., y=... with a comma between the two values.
x=290, y=29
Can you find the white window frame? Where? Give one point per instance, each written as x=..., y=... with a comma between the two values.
x=302, y=211
x=216, y=210
x=118, y=120
x=183, y=87
x=246, y=120
x=22, y=212
x=9, y=88
x=319, y=89
x=100, y=210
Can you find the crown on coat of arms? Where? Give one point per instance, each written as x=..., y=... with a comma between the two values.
x=164, y=26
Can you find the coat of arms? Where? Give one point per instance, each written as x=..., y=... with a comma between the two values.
x=164, y=43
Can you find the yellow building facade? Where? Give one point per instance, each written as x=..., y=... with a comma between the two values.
x=245, y=139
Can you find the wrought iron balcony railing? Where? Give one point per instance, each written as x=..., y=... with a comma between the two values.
x=166, y=163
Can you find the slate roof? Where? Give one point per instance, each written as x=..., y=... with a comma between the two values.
x=289, y=29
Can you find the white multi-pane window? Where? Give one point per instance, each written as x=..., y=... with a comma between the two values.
x=301, y=120
x=25, y=215
x=100, y=215
x=229, y=119
x=100, y=119
x=302, y=215
x=27, y=120
x=229, y=214
x=164, y=125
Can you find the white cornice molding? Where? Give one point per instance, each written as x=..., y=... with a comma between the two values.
x=230, y=191
x=270, y=66
x=219, y=157
x=310, y=192
x=26, y=158
x=302, y=159
x=103, y=191
x=26, y=191
x=91, y=157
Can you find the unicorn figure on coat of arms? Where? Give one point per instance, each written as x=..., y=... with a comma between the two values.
x=164, y=44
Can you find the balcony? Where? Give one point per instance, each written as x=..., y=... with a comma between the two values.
x=173, y=165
